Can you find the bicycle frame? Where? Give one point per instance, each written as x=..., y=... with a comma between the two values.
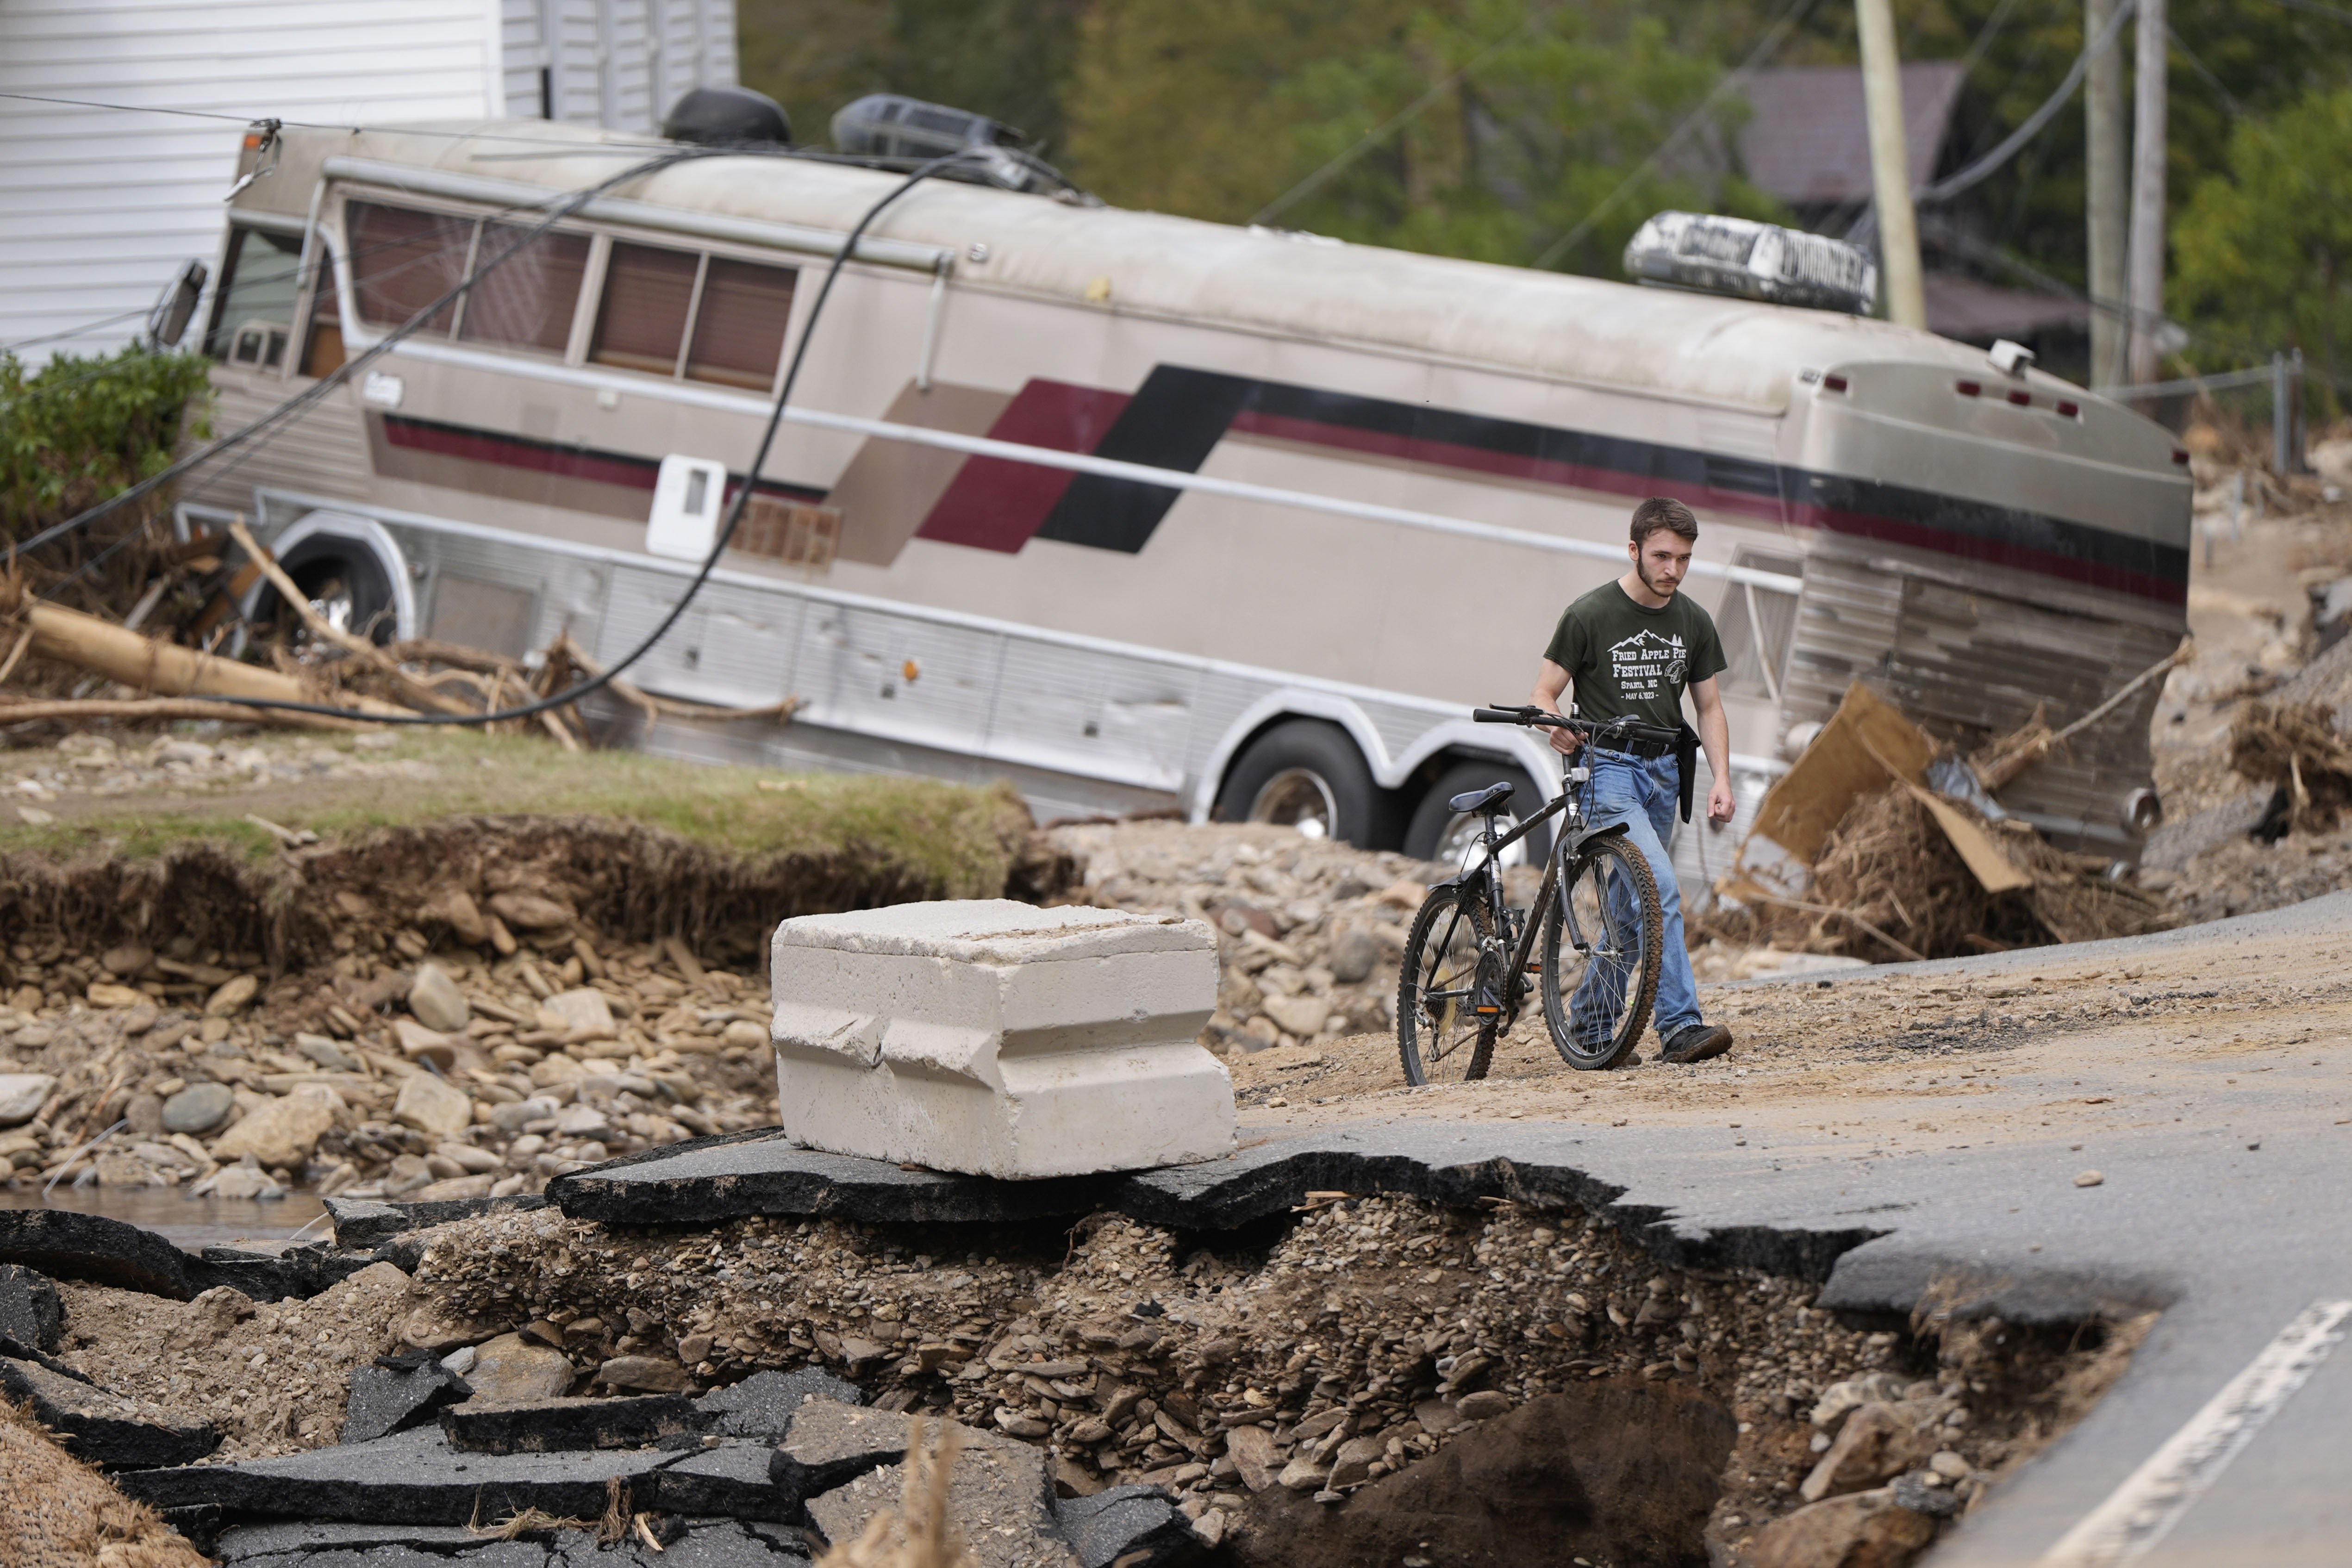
x=1568, y=844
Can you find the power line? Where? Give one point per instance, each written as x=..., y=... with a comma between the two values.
x=85, y=328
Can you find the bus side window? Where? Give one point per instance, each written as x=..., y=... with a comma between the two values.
x=323, y=343
x=739, y=325
x=526, y=301
x=641, y=323
x=253, y=309
x=403, y=260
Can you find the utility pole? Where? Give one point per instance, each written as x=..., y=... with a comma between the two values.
x=2103, y=116
x=1890, y=165
x=2148, y=193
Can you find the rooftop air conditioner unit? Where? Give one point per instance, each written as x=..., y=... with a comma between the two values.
x=1752, y=261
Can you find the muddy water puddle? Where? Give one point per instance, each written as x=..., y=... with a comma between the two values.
x=188, y=1223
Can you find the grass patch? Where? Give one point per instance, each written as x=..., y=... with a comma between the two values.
x=949, y=834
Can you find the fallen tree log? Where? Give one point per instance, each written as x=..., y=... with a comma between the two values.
x=170, y=708
x=120, y=655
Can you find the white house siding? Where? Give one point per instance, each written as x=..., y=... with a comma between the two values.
x=99, y=208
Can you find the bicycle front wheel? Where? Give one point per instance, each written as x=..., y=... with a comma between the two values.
x=1441, y=1035
x=1602, y=941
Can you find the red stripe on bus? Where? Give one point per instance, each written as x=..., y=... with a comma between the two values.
x=1611, y=481
x=483, y=446
x=997, y=504
x=1505, y=465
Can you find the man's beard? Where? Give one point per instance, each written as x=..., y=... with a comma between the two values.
x=1642, y=572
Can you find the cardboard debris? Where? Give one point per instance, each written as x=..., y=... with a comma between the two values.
x=1863, y=740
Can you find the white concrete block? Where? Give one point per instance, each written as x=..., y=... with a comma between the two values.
x=998, y=1038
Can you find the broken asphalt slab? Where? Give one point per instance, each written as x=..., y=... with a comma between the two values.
x=103, y=1428
x=1446, y=1163
x=416, y=1477
x=1136, y=1525
x=65, y=1245
x=31, y=1312
x=710, y=1181
x=361, y=1224
x=388, y=1397
x=762, y=1405
x=692, y=1542
x=565, y=1424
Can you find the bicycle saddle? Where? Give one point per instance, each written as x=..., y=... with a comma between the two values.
x=1479, y=800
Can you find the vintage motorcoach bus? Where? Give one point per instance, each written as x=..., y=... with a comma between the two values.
x=1974, y=538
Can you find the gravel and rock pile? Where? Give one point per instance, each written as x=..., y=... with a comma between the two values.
x=88, y=764
x=470, y=1072
x=1369, y=1338
x=1309, y=931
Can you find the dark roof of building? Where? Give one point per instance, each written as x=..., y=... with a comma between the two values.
x=1808, y=140
x=1979, y=312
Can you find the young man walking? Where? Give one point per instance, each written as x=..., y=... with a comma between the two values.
x=1631, y=647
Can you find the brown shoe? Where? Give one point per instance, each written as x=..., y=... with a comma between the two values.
x=1697, y=1042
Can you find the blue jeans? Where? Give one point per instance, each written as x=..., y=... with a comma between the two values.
x=1645, y=795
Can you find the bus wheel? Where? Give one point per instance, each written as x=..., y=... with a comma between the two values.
x=346, y=585
x=1302, y=774
x=1438, y=834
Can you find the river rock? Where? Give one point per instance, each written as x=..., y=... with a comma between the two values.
x=198, y=1108
x=1254, y=1455
x=585, y=1013
x=1302, y=1015
x=427, y=1045
x=22, y=1095
x=1878, y=1440
x=1354, y=955
x=529, y=912
x=232, y=996
x=145, y=1114
x=437, y=1001
x=102, y=995
x=652, y=1374
x=127, y=960
x=1863, y=1530
x=433, y=1106
x=511, y=1370
x=279, y=1134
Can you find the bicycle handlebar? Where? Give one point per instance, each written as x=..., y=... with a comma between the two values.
x=1628, y=728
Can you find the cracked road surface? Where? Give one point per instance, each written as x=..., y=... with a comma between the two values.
x=1958, y=1107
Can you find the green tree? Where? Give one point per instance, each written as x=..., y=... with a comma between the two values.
x=1536, y=117
x=79, y=431
x=1004, y=58
x=2263, y=251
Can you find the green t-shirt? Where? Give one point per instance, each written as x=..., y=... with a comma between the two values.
x=1629, y=660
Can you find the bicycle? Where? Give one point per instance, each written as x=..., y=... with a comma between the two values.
x=1468, y=954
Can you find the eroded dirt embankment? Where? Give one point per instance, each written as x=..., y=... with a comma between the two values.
x=1319, y=1384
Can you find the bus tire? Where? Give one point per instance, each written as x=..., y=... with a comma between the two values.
x=352, y=581
x=1300, y=770
x=1425, y=837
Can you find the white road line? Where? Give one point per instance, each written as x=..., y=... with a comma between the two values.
x=2139, y=1512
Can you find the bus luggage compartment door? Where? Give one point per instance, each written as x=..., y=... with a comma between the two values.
x=733, y=646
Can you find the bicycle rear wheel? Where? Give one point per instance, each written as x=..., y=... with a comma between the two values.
x=1600, y=984
x=1439, y=1035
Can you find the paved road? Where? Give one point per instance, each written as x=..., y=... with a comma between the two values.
x=2231, y=1241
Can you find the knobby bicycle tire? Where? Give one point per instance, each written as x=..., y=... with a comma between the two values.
x=1600, y=860
x=1465, y=936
